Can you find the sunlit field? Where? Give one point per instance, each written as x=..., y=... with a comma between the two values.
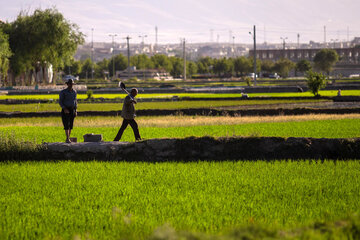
x=48, y=107
x=102, y=200
x=323, y=126
x=120, y=94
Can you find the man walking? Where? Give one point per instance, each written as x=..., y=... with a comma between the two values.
x=68, y=103
x=128, y=115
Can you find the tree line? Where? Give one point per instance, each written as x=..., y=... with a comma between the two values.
x=33, y=44
x=222, y=67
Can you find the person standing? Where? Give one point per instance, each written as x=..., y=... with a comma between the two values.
x=68, y=104
x=128, y=115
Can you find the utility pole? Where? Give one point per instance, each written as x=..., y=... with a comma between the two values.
x=156, y=38
x=184, y=57
x=254, y=36
x=128, y=55
x=112, y=53
x=325, y=35
x=142, y=42
x=283, y=38
x=233, y=46
x=298, y=40
x=92, y=54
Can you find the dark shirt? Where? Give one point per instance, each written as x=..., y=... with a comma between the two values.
x=67, y=99
x=128, y=110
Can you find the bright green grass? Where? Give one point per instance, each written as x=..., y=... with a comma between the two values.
x=147, y=105
x=346, y=128
x=103, y=200
x=327, y=93
x=330, y=93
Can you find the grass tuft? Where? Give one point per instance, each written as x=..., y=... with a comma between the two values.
x=13, y=148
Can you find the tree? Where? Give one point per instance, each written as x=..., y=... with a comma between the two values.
x=161, y=61
x=5, y=53
x=205, y=65
x=177, y=66
x=120, y=63
x=141, y=61
x=74, y=68
x=102, y=68
x=191, y=68
x=86, y=69
x=267, y=66
x=41, y=39
x=325, y=59
x=315, y=82
x=303, y=66
x=242, y=65
x=223, y=66
x=258, y=64
x=284, y=66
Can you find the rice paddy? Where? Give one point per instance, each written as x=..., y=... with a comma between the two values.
x=329, y=93
x=99, y=200
x=172, y=200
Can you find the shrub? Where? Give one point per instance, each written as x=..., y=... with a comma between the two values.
x=315, y=81
x=89, y=94
x=248, y=81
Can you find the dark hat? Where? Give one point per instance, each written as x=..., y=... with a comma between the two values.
x=70, y=80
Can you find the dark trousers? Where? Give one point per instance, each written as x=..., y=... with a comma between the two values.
x=124, y=125
x=68, y=119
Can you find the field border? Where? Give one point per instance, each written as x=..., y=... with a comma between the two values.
x=192, y=149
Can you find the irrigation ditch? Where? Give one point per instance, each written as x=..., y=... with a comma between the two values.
x=190, y=149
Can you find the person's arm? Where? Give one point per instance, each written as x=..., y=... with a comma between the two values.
x=76, y=102
x=61, y=102
x=132, y=99
x=61, y=99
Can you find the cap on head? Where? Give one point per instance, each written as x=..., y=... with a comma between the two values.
x=70, y=81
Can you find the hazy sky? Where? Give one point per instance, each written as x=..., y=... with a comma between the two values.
x=194, y=19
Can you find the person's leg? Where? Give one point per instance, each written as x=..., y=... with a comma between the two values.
x=135, y=128
x=121, y=130
x=67, y=133
x=65, y=120
x=71, y=122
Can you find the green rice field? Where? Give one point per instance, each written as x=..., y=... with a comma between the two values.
x=52, y=107
x=282, y=199
x=104, y=200
x=340, y=128
x=330, y=93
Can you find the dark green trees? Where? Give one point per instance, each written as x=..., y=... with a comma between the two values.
x=325, y=59
x=42, y=39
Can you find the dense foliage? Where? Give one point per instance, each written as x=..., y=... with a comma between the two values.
x=41, y=41
x=315, y=82
x=325, y=59
x=5, y=53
